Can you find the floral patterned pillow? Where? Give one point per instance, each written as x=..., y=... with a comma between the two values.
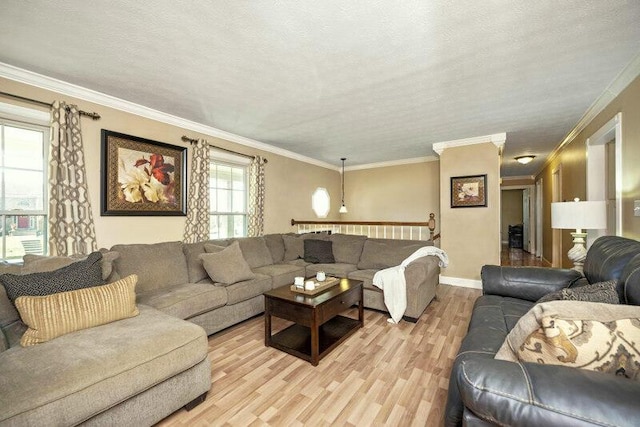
x=594, y=336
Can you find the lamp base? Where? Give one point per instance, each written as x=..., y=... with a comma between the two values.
x=578, y=253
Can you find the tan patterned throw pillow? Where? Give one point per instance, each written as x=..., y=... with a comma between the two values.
x=54, y=315
x=594, y=336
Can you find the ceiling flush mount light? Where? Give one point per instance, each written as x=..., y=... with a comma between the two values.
x=343, y=208
x=525, y=159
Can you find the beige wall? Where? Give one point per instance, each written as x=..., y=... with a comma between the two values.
x=470, y=236
x=572, y=161
x=394, y=193
x=511, y=211
x=290, y=183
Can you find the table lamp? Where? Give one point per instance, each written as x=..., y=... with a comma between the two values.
x=577, y=215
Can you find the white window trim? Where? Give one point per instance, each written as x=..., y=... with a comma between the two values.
x=230, y=159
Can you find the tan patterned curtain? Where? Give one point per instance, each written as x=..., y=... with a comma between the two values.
x=255, y=226
x=71, y=229
x=196, y=228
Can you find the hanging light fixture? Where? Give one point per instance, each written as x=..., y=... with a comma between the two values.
x=343, y=208
x=525, y=159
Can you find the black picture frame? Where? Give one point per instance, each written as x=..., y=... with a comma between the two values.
x=141, y=177
x=469, y=191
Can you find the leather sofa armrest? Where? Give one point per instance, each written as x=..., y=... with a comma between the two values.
x=528, y=283
x=531, y=394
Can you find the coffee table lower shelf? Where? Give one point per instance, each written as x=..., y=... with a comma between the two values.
x=296, y=339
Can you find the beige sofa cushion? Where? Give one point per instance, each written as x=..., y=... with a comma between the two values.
x=347, y=248
x=337, y=269
x=78, y=375
x=192, y=252
x=42, y=263
x=281, y=274
x=158, y=265
x=247, y=289
x=187, y=300
x=255, y=251
x=48, y=317
x=227, y=265
x=579, y=334
x=276, y=246
x=385, y=253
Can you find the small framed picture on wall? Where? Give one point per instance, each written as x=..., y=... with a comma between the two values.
x=469, y=191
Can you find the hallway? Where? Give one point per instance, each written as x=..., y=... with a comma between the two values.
x=519, y=258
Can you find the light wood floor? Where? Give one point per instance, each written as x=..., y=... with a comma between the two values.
x=384, y=374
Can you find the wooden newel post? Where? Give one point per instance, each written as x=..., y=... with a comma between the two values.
x=431, y=225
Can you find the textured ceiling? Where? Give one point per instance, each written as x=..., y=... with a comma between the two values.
x=372, y=81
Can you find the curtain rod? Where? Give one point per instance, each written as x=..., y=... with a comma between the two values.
x=193, y=141
x=94, y=116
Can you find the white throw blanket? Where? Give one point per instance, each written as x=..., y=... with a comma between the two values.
x=391, y=280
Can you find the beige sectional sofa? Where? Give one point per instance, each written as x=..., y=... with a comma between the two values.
x=137, y=371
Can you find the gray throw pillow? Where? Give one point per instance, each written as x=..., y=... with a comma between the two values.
x=318, y=251
x=78, y=275
x=598, y=292
x=227, y=266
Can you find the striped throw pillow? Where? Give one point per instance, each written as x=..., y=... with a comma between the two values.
x=54, y=315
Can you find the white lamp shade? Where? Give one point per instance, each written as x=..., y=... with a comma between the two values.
x=589, y=215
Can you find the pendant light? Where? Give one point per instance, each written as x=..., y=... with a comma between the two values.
x=343, y=208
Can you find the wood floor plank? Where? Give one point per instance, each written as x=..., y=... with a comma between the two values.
x=384, y=374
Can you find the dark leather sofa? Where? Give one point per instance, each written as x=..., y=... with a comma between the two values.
x=487, y=392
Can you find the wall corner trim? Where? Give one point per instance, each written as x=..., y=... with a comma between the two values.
x=498, y=139
x=459, y=281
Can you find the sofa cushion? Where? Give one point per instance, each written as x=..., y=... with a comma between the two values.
x=51, y=316
x=337, y=269
x=192, y=252
x=255, y=251
x=366, y=276
x=281, y=274
x=41, y=263
x=186, y=300
x=597, y=292
x=276, y=246
x=78, y=275
x=587, y=335
x=347, y=248
x=97, y=368
x=226, y=266
x=318, y=251
x=384, y=253
x=293, y=247
x=158, y=265
x=247, y=289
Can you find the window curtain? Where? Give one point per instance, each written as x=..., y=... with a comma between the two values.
x=71, y=228
x=255, y=226
x=196, y=228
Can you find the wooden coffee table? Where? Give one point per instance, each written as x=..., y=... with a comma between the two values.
x=318, y=326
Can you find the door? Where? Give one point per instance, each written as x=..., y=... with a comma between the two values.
x=556, y=190
x=526, y=194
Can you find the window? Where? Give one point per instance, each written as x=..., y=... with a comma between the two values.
x=228, y=190
x=23, y=187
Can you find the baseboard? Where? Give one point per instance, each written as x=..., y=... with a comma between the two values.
x=458, y=281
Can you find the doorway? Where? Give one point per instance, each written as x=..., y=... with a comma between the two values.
x=518, y=207
x=556, y=234
x=604, y=174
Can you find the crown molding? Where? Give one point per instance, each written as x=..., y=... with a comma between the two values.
x=69, y=89
x=498, y=139
x=622, y=80
x=392, y=163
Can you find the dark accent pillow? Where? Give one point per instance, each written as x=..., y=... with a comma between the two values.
x=318, y=251
x=80, y=274
x=598, y=292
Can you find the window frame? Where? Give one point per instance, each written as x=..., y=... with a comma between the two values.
x=34, y=120
x=217, y=158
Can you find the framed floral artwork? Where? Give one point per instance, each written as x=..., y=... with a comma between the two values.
x=469, y=191
x=141, y=176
